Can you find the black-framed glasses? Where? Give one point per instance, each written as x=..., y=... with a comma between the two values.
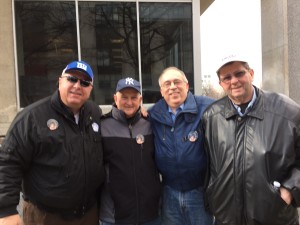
x=74, y=80
x=227, y=79
x=168, y=83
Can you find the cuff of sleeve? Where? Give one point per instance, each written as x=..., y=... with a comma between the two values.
x=8, y=211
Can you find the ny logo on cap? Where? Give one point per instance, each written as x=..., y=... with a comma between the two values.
x=81, y=66
x=129, y=81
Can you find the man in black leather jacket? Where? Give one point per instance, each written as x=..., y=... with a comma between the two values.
x=252, y=138
x=53, y=148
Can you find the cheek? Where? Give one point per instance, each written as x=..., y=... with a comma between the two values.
x=87, y=91
x=62, y=89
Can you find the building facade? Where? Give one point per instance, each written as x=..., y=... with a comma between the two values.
x=117, y=38
x=137, y=38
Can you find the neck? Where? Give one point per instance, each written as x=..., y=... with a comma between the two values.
x=243, y=99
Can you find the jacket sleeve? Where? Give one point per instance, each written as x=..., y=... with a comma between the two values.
x=292, y=183
x=15, y=153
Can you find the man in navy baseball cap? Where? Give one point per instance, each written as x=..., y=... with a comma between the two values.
x=128, y=146
x=128, y=83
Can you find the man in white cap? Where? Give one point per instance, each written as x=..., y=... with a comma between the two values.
x=53, y=149
x=252, y=138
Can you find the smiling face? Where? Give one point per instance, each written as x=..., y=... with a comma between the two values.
x=128, y=100
x=173, y=87
x=236, y=80
x=73, y=95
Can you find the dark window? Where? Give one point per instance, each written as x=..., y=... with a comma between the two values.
x=47, y=40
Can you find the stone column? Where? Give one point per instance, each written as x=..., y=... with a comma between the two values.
x=281, y=46
x=293, y=21
x=8, y=100
x=274, y=45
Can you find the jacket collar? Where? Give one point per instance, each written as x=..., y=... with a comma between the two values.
x=120, y=115
x=159, y=111
x=61, y=108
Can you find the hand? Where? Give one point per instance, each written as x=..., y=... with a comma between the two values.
x=11, y=220
x=144, y=111
x=286, y=195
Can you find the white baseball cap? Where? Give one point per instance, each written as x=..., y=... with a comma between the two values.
x=233, y=57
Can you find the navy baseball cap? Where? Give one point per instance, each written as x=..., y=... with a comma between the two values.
x=80, y=66
x=128, y=83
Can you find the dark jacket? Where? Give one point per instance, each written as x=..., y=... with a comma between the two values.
x=181, y=162
x=132, y=190
x=60, y=167
x=247, y=154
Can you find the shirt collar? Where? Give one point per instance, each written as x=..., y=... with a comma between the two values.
x=249, y=105
x=181, y=107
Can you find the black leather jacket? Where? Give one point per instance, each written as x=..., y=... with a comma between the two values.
x=60, y=167
x=246, y=154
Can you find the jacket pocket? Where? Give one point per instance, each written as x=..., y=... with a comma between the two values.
x=273, y=210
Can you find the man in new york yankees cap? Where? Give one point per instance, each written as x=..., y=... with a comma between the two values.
x=128, y=83
x=131, y=192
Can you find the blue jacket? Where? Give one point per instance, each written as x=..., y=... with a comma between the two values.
x=181, y=162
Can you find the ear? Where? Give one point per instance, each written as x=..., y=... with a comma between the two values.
x=58, y=83
x=187, y=86
x=251, y=71
x=115, y=98
x=161, y=92
x=221, y=84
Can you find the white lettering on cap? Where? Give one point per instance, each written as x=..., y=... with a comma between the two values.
x=228, y=57
x=129, y=81
x=81, y=66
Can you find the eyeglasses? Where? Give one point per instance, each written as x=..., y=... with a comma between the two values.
x=237, y=75
x=74, y=80
x=168, y=84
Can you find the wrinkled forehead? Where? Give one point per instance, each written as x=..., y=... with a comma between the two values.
x=171, y=75
x=233, y=65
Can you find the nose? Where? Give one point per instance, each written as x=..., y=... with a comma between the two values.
x=77, y=84
x=128, y=102
x=173, y=85
x=234, y=79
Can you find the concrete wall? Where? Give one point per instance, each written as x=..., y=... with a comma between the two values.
x=293, y=20
x=281, y=46
x=274, y=45
x=8, y=100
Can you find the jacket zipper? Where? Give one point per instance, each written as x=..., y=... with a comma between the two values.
x=134, y=173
